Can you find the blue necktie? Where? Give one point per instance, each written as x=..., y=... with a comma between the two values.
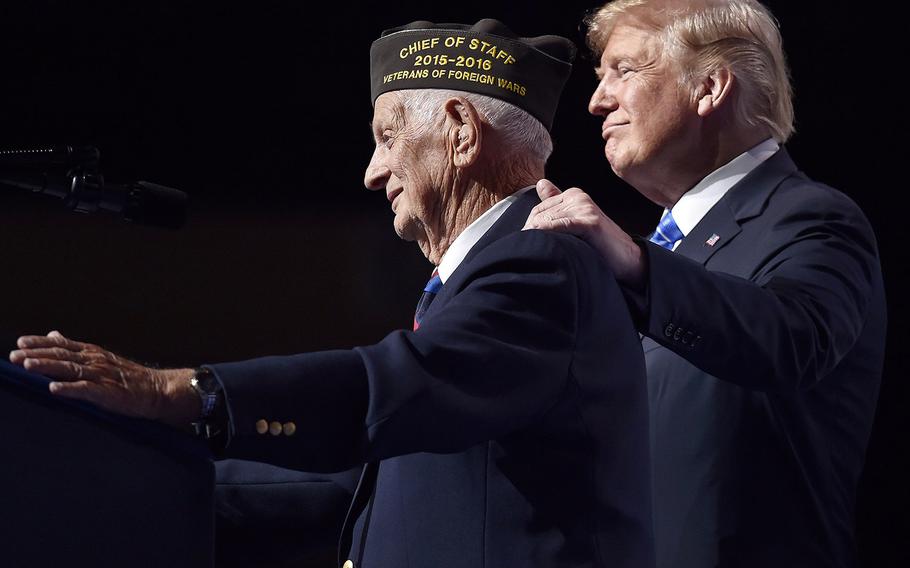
x=429, y=293
x=667, y=232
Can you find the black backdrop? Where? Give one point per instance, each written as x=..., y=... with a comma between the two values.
x=260, y=113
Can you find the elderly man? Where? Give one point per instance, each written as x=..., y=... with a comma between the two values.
x=510, y=427
x=759, y=295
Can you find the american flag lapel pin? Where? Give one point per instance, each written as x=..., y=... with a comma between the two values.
x=713, y=240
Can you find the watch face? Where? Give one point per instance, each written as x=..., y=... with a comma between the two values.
x=207, y=381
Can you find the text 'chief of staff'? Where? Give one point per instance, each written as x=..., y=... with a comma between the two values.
x=509, y=428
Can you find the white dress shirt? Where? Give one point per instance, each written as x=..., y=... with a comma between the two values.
x=696, y=202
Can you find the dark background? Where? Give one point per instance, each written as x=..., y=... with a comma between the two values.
x=260, y=112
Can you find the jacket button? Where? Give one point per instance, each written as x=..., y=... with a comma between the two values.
x=275, y=428
x=668, y=331
x=262, y=426
x=695, y=341
x=688, y=337
x=289, y=428
x=677, y=334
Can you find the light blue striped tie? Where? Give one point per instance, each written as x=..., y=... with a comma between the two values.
x=667, y=232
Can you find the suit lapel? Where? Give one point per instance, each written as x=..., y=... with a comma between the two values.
x=717, y=228
x=511, y=221
x=745, y=200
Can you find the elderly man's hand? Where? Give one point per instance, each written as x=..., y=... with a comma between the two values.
x=573, y=211
x=87, y=372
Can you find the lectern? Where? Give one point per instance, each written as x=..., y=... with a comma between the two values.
x=82, y=487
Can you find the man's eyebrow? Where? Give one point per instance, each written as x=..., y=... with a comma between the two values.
x=614, y=63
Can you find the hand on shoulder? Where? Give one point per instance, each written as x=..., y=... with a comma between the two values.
x=574, y=212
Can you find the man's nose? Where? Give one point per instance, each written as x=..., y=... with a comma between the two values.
x=603, y=101
x=377, y=174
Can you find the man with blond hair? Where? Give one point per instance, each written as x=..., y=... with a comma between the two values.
x=759, y=295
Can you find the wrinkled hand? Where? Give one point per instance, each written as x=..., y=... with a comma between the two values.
x=87, y=372
x=573, y=211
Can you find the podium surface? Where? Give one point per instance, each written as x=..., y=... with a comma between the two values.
x=82, y=487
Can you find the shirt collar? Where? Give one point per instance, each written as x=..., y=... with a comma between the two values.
x=473, y=233
x=696, y=202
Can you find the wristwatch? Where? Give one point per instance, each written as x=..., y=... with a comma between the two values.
x=211, y=396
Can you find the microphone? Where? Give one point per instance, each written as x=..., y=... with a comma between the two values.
x=72, y=175
x=67, y=157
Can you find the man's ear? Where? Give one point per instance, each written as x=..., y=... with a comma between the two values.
x=464, y=131
x=714, y=90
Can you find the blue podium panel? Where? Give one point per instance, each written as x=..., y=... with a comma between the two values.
x=81, y=487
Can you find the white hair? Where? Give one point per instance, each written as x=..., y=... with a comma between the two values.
x=522, y=137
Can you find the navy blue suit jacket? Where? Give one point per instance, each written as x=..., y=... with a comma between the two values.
x=764, y=356
x=511, y=428
x=278, y=518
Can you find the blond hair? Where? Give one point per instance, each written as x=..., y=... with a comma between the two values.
x=704, y=35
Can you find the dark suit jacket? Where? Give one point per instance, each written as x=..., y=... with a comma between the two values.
x=764, y=355
x=511, y=428
x=267, y=516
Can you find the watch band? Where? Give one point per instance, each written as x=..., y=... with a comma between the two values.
x=207, y=387
x=211, y=398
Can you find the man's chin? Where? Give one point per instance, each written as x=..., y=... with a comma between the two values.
x=621, y=167
x=405, y=232
x=614, y=164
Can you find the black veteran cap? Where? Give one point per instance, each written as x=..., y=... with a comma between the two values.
x=486, y=58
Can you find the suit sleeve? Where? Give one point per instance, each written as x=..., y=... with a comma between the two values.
x=489, y=358
x=789, y=326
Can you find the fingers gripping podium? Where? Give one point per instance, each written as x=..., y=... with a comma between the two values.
x=81, y=487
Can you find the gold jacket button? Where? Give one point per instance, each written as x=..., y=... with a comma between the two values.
x=348, y=564
x=262, y=426
x=275, y=428
x=289, y=428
